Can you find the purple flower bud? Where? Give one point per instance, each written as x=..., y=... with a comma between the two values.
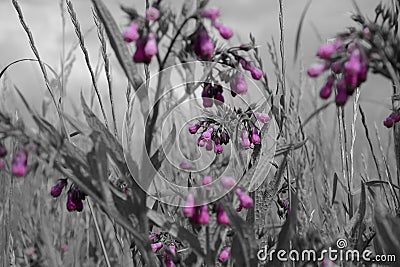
x=3, y=151
x=246, y=65
x=207, y=180
x=388, y=122
x=351, y=80
x=152, y=14
x=255, y=138
x=189, y=209
x=316, y=70
x=353, y=64
x=256, y=73
x=150, y=48
x=140, y=55
x=224, y=30
x=156, y=246
x=172, y=248
x=1, y=164
x=337, y=67
x=19, y=167
x=341, y=98
x=218, y=148
x=185, y=165
x=262, y=117
x=207, y=102
x=204, y=217
x=238, y=84
x=131, y=33
x=325, y=92
x=224, y=255
x=206, y=135
x=209, y=145
x=222, y=218
x=227, y=182
x=245, y=140
x=326, y=51
x=200, y=142
x=211, y=13
x=202, y=44
x=245, y=200
x=71, y=206
x=395, y=116
x=57, y=189
x=169, y=263
x=194, y=128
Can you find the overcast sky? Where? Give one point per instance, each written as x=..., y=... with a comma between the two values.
x=260, y=17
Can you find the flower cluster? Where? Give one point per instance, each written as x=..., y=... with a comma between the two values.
x=212, y=93
x=391, y=120
x=146, y=40
x=213, y=135
x=162, y=244
x=348, y=64
x=200, y=214
x=75, y=196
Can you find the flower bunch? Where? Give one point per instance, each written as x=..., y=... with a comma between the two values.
x=213, y=135
x=145, y=39
x=212, y=93
x=347, y=61
x=165, y=246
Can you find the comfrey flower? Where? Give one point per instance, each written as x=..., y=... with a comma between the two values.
x=262, y=117
x=146, y=48
x=212, y=93
x=222, y=218
x=152, y=14
x=245, y=200
x=19, y=166
x=189, y=209
x=238, y=84
x=203, y=217
x=156, y=246
x=213, y=136
x=227, y=182
x=224, y=254
x=256, y=73
x=57, y=189
x=202, y=44
x=131, y=34
x=347, y=62
x=391, y=120
x=74, y=200
x=223, y=30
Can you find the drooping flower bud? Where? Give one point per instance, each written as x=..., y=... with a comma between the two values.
x=245, y=140
x=140, y=55
x=19, y=166
x=204, y=217
x=150, y=48
x=255, y=138
x=156, y=246
x=202, y=44
x=227, y=182
x=245, y=200
x=316, y=70
x=224, y=255
x=206, y=180
x=207, y=134
x=194, y=128
x=57, y=189
x=224, y=30
x=262, y=117
x=131, y=34
x=238, y=83
x=256, y=73
x=189, y=209
x=222, y=218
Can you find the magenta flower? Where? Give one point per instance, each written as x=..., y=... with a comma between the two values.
x=194, y=128
x=150, y=49
x=172, y=248
x=256, y=73
x=19, y=166
x=152, y=14
x=227, y=182
x=218, y=148
x=207, y=134
x=169, y=263
x=222, y=218
x=224, y=30
x=140, y=55
x=189, y=208
x=219, y=98
x=156, y=246
x=337, y=67
x=211, y=13
x=57, y=189
x=238, y=84
x=245, y=200
x=153, y=237
x=316, y=70
x=200, y=142
x=209, y=145
x=207, y=180
x=245, y=65
x=353, y=65
x=245, y=140
x=262, y=117
x=1, y=164
x=204, y=217
x=326, y=51
x=255, y=138
x=224, y=255
x=71, y=206
x=131, y=34
x=388, y=122
x=202, y=44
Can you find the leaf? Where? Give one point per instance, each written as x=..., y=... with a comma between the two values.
x=117, y=43
x=387, y=232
